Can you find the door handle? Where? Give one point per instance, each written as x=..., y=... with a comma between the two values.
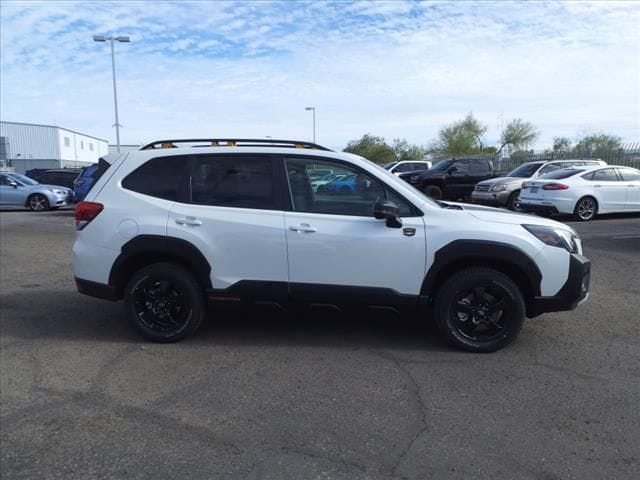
x=302, y=228
x=189, y=221
x=597, y=186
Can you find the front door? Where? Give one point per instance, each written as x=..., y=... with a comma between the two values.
x=10, y=195
x=338, y=251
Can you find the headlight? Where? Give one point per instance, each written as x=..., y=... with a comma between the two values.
x=556, y=237
x=58, y=192
x=499, y=188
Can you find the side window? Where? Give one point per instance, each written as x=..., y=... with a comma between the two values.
x=605, y=175
x=461, y=169
x=159, y=177
x=478, y=167
x=4, y=180
x=629, y=175
x=353, y=194
x=421, y=166
x=233, y=181
x=404, y=167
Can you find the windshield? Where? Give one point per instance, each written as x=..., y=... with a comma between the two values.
x=389, y=166
x=563, y=173
x=23, y=179
x=525, y=170
x=442, y=165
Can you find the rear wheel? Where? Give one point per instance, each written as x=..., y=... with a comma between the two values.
x=164, y=302
x=433, y=192
x=479, y=310
x=586, y=209
x=38, y=202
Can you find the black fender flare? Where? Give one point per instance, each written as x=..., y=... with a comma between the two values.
x=501, y=256
x=144, y=249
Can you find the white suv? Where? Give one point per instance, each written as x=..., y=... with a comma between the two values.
x=179, y=223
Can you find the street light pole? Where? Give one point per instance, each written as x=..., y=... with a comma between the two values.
x=313, y=109
x=112, y=39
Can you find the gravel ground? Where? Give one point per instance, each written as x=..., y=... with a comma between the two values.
x=261, y=396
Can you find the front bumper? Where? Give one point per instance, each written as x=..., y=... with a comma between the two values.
x=492, y=199
x=574, y=292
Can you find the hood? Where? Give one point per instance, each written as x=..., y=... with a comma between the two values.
x=501, y=181
x=498, y=215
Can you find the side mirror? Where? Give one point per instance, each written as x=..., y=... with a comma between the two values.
x=387, y=210
x=451, y=170
x=13, y=184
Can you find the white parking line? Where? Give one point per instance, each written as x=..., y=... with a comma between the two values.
x=626, y=236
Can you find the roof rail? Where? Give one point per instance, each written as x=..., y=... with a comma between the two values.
x=232, y=142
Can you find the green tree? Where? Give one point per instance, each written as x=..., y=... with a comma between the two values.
x=518, y=134
x=561, y=145
x=373, y=148
x=461, y=138
x=404, y=151
x=598, y=145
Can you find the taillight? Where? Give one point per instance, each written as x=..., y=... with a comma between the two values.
x=555, y=186
x=85, y=212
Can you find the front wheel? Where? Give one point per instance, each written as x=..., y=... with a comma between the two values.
x=512, y=203
x=164, y=302
x=586, y=209
x=433, y=192
x=38, y=202
x=480, y=310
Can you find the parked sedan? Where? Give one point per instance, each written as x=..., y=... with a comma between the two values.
x=326, y=180
x=18, y=191
x=583, y=192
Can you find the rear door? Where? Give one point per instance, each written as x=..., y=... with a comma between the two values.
x=231, y=212
x=335, y=243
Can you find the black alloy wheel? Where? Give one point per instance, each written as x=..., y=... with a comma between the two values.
x=512, y=203
x=480, y=310
x=432, y=191
x=164, y=302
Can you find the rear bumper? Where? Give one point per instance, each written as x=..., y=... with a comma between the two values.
x=574, y=292
x=98, y=290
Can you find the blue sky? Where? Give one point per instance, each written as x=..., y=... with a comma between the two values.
x=395, y=69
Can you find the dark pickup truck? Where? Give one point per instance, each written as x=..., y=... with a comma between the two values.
x=452, y=179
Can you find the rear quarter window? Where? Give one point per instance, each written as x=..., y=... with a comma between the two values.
x=159, y=177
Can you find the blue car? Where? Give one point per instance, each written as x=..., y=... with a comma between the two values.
x=344, y=185
x=82, y=184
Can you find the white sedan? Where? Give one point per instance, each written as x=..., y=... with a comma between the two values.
x=583, y=192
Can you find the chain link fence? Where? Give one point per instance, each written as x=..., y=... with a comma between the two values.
x=627, y=154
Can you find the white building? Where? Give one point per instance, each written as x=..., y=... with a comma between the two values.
x=27, y=145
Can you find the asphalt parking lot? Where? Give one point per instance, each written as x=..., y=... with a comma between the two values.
x=257, y=396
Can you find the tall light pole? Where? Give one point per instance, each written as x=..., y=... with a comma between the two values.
x=314, y=121
x=102, y=38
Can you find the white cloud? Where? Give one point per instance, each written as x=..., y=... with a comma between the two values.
x=396, y=69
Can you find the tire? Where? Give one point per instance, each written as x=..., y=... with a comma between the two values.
x=38, y=203
x=479, y=310
x=586, y=209
x=433, y=192
x=164, y=302
x=513, y=200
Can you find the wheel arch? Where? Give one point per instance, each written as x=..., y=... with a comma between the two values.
x=462, y=254
x=147, y=249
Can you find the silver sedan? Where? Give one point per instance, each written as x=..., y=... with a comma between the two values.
x=18, y=191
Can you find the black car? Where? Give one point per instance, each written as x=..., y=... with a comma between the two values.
x=60, y=176
x=451, y=179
